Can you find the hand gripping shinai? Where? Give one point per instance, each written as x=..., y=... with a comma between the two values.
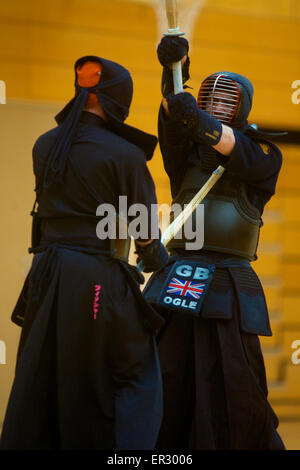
x=177, y=224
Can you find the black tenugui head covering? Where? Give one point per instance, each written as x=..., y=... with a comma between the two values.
x=114, y=91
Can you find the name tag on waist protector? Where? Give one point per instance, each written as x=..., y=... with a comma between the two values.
x=186, y=286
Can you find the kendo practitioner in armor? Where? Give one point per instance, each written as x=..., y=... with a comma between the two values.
x=215, y=390
x=87, y=374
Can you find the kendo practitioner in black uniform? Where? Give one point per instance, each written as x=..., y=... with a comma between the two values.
x=215, y=390
x=87, y=374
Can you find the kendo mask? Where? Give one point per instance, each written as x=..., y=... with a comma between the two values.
x=110, y=83
x=228, y=97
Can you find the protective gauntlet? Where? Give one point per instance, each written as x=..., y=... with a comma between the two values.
x=153, y=256
x=203, y=127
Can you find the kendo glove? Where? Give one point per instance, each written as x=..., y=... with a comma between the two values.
x=170, y=50
x=203, y=127
x=153, y=256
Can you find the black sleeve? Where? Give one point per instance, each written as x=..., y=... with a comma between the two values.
x=40, y=154
x=39, y=157
x=37, y=163
x=175, y=146
x=255, y=163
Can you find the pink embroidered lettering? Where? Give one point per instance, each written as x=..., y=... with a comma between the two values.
x=97, y=289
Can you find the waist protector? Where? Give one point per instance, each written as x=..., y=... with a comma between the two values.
x=231, y=223
x=81, y=231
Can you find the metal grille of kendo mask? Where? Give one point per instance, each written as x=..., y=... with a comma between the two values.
x=219, y=96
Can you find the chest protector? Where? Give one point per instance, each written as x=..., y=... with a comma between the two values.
x=231, y=222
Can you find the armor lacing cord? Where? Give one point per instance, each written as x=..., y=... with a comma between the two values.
x=57, y=159
x=44, y=271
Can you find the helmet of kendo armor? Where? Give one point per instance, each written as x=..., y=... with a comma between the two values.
x=228, y=97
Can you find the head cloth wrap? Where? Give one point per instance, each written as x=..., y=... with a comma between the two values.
x=111, y=84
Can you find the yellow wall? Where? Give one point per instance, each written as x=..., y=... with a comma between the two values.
x=40, y=40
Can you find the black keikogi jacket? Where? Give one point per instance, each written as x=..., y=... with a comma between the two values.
x=87, y=374
x=103, y=167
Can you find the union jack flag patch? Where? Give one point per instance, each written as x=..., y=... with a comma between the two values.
x=186, y=286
